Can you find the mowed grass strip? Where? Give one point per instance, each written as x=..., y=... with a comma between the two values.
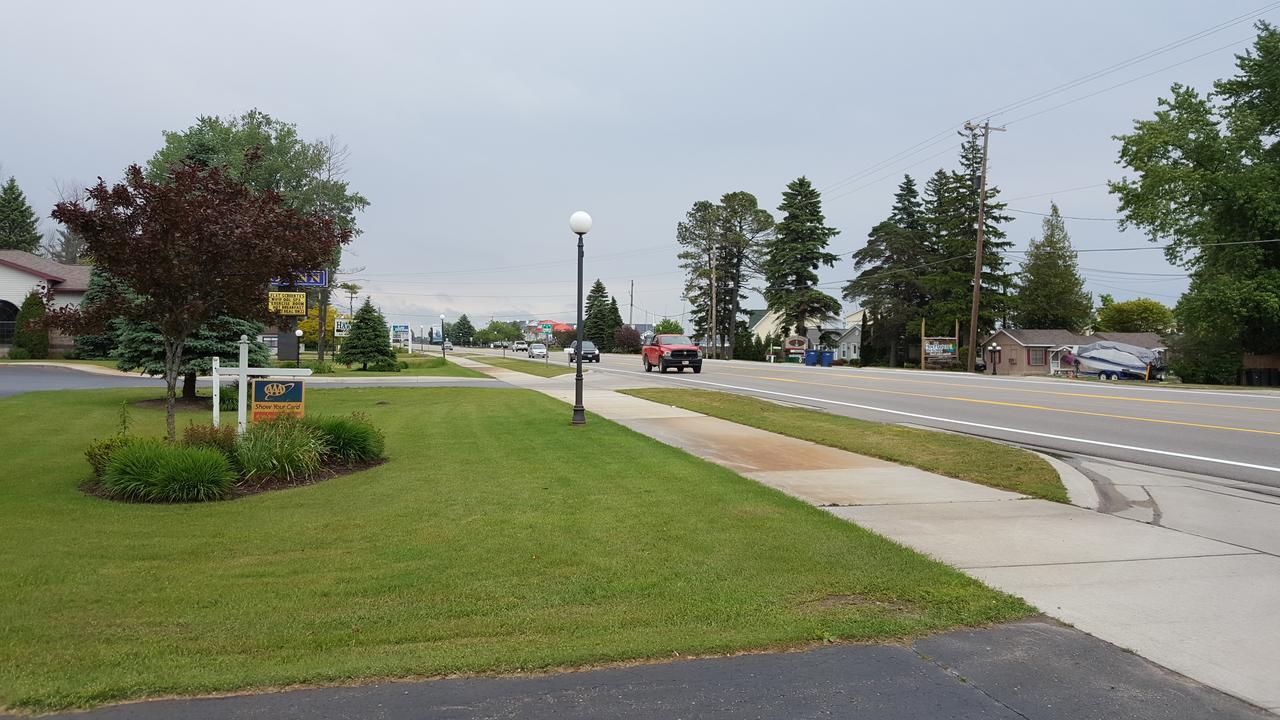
x=497, y=538
x=957, y=456
x=532, y=367
x=427, y=365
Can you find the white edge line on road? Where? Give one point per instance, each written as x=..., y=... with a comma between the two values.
x=967, y=423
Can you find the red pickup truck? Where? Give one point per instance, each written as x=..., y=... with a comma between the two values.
x=671, y=351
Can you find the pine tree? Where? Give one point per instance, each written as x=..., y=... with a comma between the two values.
x=1051, y=293
x=615, y=322
x=597, y=323
x=29, y=334
x=96, y=346
x=369, y=342
x=702, y=260
x=793, y=255
x=139, y=346
x=64, y=246
x=462, y=331
x=17, y=220
x=743, y=229
x=896, y=254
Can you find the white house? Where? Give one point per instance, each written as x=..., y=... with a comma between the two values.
x=20, y=273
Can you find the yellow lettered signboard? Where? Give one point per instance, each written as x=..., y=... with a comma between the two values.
x=277, y=398
x=287, y=303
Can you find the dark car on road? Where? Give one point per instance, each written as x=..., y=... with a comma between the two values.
x=671, y=351
x=589, y=351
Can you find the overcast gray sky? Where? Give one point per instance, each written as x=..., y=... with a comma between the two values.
x=476, y=128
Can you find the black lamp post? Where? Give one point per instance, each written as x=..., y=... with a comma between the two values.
x=297, y=357
x=993, y=351
x=580, y=224
x=442, y=352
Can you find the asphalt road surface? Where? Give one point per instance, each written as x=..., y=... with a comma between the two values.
x=17, y=378
x=1227, y=434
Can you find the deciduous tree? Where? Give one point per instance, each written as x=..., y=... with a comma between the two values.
x=668, y=326
x=1140, y=315
x=1205, y=169
x=195, y=246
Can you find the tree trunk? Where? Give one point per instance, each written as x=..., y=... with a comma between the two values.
x=189, y=386
x=172, y=362
x=324, y=323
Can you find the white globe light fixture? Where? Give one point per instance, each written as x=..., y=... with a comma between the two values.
x=580, y=223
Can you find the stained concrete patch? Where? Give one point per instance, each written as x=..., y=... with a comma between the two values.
x=876, y=485
x=1026, y=532
x=1213, y=617
x=746, y=449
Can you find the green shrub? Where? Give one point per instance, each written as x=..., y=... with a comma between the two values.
x=285, y=449
x=17, y=353
x=350, y=439
x=385, y=365
x=100, y=451
x=156, y=471
x=29, y=334
x=321, y=368
x=222, y=439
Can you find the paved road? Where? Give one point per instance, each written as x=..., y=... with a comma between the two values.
x=1222, y=434
x=16, y=378
x=1023, y=671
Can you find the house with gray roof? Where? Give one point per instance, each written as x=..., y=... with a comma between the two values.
x=20, y=273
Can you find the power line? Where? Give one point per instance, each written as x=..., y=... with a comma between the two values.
x=529, y=266
x=1064, y=217
x=1056, y=192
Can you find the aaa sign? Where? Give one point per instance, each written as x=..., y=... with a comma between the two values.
x=277, y=398
x=287, y=303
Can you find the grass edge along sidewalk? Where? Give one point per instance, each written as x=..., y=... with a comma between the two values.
x=958, y=456
x=495, y=539
x=529, y=367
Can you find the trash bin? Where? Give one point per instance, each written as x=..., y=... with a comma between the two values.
x=811, y=357
x=828, y=356
x=794, y=358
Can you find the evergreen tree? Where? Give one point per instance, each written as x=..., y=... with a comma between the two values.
x=98, y=346
x=702, y=258
x=17, y=220
x=597, y=324
x=64, y=246
x=950, y=219
x=1051, y=293
x=462, y=332
x=615, y=322
x=895, y=256
x=369, y=342
x=29, y=334
x=793, y=254
x=139, y=346
x=743, y=228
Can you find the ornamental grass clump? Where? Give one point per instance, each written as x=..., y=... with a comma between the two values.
x=284, y=449
x=156, y=471
x=351, y=439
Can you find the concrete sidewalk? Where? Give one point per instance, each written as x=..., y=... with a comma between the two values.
x=1202, y=607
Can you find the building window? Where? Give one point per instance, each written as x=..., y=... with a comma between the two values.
x=1035, y=356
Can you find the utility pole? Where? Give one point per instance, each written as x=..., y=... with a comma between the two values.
x=713, y=303
x=631, y=313
x=980, y=226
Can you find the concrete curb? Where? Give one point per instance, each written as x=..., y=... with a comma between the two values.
x=1080, y=489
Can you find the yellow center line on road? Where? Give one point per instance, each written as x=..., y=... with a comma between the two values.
x=1025, y=406
x=1061, y=393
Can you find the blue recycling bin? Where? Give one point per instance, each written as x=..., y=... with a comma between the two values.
x=811, y=357
x=828, y=356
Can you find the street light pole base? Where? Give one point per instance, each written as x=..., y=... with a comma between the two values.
x=579, y=415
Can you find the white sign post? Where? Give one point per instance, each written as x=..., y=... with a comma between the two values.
x=242, y=375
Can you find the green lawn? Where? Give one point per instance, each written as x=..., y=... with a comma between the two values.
x=497, y=538
x=418, y=365
x=957, y=456
x=541, y=369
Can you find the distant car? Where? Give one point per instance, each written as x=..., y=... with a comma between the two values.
x=671, y=351
x=448, y=345
x=520, y=346
x=537, y=350
x=589, y=351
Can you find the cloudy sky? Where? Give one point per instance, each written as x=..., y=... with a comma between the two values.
x=476, y=128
